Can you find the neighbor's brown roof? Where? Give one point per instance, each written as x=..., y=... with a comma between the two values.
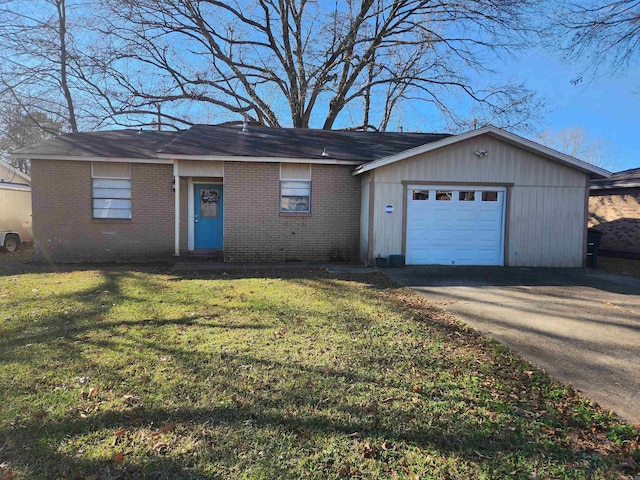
x=625, y=179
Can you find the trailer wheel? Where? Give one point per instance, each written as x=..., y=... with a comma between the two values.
x=11, y=243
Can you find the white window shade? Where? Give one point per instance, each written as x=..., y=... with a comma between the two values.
x=295, y=187
x=295, y=196
x=111, y=190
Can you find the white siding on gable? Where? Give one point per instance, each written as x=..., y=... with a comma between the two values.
x=504, y=163
x=545, y=212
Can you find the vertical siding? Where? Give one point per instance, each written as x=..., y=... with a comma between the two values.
x=546, y=228
x=364, y=218
x=387, y=227
x=545, y=214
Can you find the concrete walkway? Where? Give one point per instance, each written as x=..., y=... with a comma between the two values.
x=581, y=326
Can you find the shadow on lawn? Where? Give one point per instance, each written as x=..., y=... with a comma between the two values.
x=301, y=412
x=292, y=405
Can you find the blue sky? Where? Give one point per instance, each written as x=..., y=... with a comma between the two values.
x=607, y=107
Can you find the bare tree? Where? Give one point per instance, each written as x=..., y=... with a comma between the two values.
x=575, y=141
x=20, y=129
x=302, y=62
x=604, y=34
x=36, y=58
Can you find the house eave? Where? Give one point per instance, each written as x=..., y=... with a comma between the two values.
x=231, y=158
x=84, y=158
x=15, y=171
x=595, y=172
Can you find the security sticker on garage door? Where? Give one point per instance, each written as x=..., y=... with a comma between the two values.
x=388, y=209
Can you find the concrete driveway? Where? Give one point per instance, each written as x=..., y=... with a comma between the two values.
x=581, y=326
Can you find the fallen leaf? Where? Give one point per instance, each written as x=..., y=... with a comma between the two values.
x=372, y=407
x=390, y=399
x=8, y=445
x=368, y=450
x=144, y=378
x=416, y=389
x=120, y=432
x=343, y=470
x=8, y=476
x=118, y=457
x=92, y=392
x=161, y=447
x=40, y=415
x=167, y=428
x=629, y=463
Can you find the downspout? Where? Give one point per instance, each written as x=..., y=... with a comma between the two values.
x=176, y=188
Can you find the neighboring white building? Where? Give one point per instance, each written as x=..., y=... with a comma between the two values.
x=15, y=207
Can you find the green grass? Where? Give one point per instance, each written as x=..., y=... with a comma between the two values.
x=140, y=373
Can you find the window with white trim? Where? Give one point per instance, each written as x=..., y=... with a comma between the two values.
x=111, y=190
x=295, y=188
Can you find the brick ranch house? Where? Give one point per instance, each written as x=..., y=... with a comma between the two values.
x=485, y=197
x=614, y=209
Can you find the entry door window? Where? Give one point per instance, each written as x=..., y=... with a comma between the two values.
x=209, y=199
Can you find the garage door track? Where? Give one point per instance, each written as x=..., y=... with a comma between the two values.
x=581, y=326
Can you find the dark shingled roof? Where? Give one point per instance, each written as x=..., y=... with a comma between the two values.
x=109, y=143
x=625, y=179
x=227, y=140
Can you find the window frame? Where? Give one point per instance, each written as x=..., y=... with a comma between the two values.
x=107, y=179
x=300, y=173
x=282, y=182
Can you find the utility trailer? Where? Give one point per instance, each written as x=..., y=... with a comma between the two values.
x=15, y=216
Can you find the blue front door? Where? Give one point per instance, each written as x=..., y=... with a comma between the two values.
x=208, y=217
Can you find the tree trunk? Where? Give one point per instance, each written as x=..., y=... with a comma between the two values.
x=64, y=82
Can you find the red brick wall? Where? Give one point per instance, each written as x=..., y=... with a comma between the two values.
x=618, y=217
x=64, y=229
x=255, y=230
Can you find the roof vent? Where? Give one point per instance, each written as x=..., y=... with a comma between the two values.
x=325, y=153
x=245, y=124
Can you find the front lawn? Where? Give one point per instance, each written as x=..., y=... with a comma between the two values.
x=143, y=373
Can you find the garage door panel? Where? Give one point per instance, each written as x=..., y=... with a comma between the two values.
x=456, y=231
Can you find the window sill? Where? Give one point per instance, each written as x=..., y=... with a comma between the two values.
x=112, y=220
x=295, y=214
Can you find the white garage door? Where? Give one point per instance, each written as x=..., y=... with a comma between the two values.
x=455, y=225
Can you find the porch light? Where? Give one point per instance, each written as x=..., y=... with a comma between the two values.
x=173, y=183
x=480, y=153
